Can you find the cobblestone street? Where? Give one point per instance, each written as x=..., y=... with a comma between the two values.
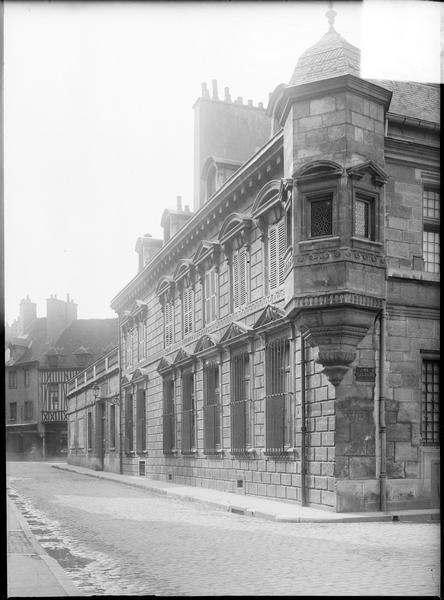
x=114, y=539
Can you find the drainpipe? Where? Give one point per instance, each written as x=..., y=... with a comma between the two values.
x=303, y=426
x=382, y=423
x=120, y=401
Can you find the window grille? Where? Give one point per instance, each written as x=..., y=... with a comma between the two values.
x=188, y=415
x=168, y=416
x=140, y=421
x=239, y=270
x=129, y=423
x=277, y=246
x=210, y=295
x=430, y=402
x=431, y=234
x=321, y=216
x=240, y=391
x=112, y=426
x=277, y=399
x=168, y=316
x=187, y=310
x=211, y=408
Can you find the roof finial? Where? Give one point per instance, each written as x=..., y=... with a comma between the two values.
x=331, y=14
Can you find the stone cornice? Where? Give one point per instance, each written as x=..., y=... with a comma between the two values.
x=223, y=200
x=339, y=254
x=333, y=299
x=323, y=87
x=411, y=153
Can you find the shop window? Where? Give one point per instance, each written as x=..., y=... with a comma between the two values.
x=430, y=402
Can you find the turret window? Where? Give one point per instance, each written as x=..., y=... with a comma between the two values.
x=321, y=216
x=363, y=217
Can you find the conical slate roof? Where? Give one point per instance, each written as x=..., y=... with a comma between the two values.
x=331, y=56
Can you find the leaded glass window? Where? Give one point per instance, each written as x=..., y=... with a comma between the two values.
x=321, y=216
x=431, y=234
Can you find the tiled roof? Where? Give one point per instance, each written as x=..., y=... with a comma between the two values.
x=331, y=56
x=96, y=335
x=412, y=99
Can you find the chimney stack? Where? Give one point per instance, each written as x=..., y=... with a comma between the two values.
x=215, y=95
x=227, y=95
x=205, y=93
x=179, y=202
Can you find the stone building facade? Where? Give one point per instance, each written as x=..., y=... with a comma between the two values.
x=93, y=414
x=283, y=340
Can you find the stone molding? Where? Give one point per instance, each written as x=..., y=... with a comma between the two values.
x=339, y=254
x=335, y=299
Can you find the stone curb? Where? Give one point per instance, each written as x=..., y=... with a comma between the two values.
x=430, y=515
x=53, y=566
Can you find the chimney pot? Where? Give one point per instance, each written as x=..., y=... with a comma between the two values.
x=187, y=208
x=261, y=105
x=205, y=93
x=239, y=100
x=215, y=95
x=179, y=202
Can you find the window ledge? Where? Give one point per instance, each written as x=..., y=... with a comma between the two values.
x=413, y=274
x=371, y=244
x=321, y=242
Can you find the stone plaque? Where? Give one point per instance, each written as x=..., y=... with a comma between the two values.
x=365, y=374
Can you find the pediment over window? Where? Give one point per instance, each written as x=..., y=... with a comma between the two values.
x=139, y=310
x=235, y=230
x=138, y=375
x=165, y=288
x=164, y=365
x=206, y=250
x=318, y=170
x=184, y=271
x=205, y=343
x=268, y=205
x=182, y=357
x=125, y=381
x=378, y=175
x=235, y=331
x=270, y=314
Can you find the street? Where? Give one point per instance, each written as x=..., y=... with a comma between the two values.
x=114, y=539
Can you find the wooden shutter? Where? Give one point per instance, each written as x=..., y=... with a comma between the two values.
x=282, y=248
x=168, y=323
x=273, y=257
x=213, y=276
x=242, y=276
x=235, y=282
x=207, y=292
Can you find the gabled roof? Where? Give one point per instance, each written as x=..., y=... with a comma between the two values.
x=94, y=334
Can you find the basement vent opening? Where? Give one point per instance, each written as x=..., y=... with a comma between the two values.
x=240, y=483
x=142, y=468
x=170, y=477
x=395, y=518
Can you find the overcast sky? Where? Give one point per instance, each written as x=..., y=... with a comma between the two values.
x=99, y=122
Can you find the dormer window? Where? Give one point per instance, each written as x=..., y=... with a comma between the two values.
x=211, y=181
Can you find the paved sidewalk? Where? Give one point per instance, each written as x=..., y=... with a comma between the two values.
x=32, y=573
x=254, y=506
